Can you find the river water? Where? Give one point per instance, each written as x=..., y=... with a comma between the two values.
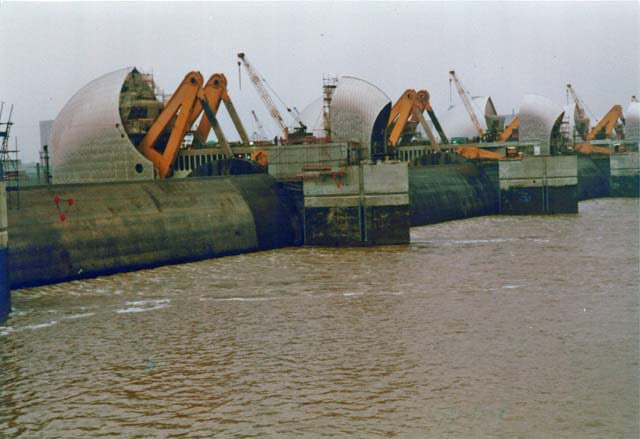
x=489, y=327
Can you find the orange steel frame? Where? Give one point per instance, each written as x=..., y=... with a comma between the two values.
x=607, y=124
x=508, y=131
x=408, y=108
x=186, y=105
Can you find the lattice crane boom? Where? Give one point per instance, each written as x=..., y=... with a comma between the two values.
x=467, y=102
x=261, y=131
x=579, y=104
x=264, y=94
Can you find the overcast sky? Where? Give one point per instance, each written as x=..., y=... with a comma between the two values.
x=504, y=50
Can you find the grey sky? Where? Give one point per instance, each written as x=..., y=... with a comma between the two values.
x=48, y=51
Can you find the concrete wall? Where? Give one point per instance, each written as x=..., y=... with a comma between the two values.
x=357, y=205
x=287, y=162
x=113, y=227
x=625, y=172
x=447, y=192
x=537, y=185
x=5, y=298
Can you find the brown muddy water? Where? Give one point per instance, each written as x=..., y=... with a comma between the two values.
x=490, y=327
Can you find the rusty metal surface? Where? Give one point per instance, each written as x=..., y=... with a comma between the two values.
x=88, y=141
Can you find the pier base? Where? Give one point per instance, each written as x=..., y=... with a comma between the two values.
x=539, y=185
x=357, y=205
x=5, y=295
x=593, y=176
x=625, y=175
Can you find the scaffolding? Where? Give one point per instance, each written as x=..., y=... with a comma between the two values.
x=329, y=85
x=9, y=163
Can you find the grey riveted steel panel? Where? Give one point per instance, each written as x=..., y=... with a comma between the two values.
x=632, y=122
x=355, y=107
x=311, y=116
x=456, y=122
x=88, y=141
x=538, y=115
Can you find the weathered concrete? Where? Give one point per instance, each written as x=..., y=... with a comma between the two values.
x=5, y=295
x=593, y=176
x=116, y=227
x=357, y=205
x=625, y=175
x=539, y=185
x=456, y=191
x=287, y=162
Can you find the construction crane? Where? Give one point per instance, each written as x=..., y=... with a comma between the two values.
x=607, y=124
x=583, y=121
x=268, y=102
x=467, y=102
x=261, y=132
x=184, y=107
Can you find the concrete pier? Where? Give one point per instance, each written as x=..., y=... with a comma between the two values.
x=455, y=191
x=366, y=204
x=593, y=176
x=5, y=295
x=64, y=232
x=625, y=175
x=539, y=185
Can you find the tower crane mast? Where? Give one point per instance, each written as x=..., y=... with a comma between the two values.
x=467, y=102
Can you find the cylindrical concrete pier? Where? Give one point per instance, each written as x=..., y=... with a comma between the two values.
x=448, y=192
x=64, y=232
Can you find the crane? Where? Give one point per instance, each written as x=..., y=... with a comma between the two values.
x=268, y=102
x=583, y=121
x=466, y=101
x=261, y=131
x=184, y=107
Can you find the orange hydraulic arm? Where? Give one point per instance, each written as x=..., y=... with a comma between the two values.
x=475, y=153
x=425, y=104
x=508, y=131
x=607, y=123
x=405, y=110
x=587, y=149
x=181, y=105
x=185, y=106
